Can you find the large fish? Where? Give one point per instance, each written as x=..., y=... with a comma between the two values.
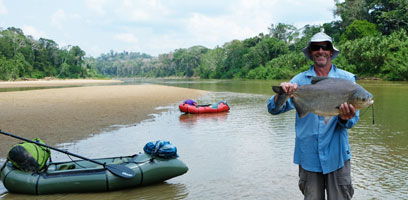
x=324, y=96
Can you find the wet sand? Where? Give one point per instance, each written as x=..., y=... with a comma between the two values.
x=68, y=114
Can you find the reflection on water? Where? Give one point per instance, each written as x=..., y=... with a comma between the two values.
x=192, y=119
x=247, y=153
x=240, y=154
x=166, y=191
x=380, y=162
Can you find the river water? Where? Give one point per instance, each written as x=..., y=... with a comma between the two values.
x=247, y=153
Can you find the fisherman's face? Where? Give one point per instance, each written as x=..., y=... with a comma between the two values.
x=321, y=53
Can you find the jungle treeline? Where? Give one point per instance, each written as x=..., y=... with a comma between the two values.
x=23, y=57
x=371, y=35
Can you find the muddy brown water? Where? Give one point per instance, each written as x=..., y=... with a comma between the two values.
x=247, y=153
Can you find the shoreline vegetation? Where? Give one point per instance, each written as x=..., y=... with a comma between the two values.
x=63, y=115
x=372, y=37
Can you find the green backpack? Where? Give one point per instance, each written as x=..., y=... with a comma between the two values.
x=28, y=156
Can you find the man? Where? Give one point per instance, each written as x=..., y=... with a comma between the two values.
x=322, y=148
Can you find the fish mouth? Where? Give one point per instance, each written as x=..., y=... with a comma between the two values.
x=371, y=101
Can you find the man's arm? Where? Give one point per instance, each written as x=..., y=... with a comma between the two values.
x=288, y=89
x=348, y=116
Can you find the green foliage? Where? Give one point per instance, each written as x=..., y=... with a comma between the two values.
x=395, y=65
x=342, y=63
x=359, y=29
x=23, y=57
x=372, y=37
x=370, y=54
x=334, y=29
x=123, y=64
x=287, y=65
x=365, y=54
x=233, y=62
x=351, y=10
x=284, y=32
x=186, y=60
x=300, y=43
x=377, y=56
x=267, y=49
x=390, y=15
x=5, y=69
x=258, y=73
x=210, y=61
x=279, y=73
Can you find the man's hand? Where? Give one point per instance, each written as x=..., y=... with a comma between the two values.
x=346, y=111
x=289, y=88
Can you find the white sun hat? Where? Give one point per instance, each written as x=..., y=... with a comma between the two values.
x=320, y=37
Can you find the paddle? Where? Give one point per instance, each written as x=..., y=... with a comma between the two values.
x=118, y=170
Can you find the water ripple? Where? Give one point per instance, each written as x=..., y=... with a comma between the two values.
x=245, y=153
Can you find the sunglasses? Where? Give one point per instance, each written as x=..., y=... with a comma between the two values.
x=325, y=47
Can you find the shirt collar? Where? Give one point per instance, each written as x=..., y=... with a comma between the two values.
x=312, y=73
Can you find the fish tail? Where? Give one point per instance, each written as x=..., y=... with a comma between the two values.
x=282, y=97
x=278, y=89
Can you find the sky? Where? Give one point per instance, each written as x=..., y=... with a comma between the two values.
x=156, y=26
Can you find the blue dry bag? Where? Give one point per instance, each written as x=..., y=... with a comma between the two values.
x=161, y=148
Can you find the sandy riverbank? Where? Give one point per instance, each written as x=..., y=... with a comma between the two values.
x=69, y=114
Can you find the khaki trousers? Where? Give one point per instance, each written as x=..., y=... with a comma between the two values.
x=337, y=184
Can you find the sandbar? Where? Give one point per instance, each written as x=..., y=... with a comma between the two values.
x=63, y=115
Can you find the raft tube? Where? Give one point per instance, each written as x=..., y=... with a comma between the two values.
x=221, y=106
x=85, y=176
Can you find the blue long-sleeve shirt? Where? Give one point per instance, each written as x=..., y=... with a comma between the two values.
x=319, y=147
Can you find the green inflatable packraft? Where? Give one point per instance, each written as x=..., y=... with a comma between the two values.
x=28, y=156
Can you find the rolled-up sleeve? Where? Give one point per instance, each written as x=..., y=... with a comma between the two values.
x=272, y=106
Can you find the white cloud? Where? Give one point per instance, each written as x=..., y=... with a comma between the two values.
x=240, y=22
x=126, y=37
x=214, y=30
x=142, y=10
x=165, y=44
x=97, y=6
x=3, y=8
x=300, y=13
x=58, y=18
x=31, y=30
x=158, y=26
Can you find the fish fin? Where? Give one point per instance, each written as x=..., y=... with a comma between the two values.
x=282, y=97
x=316, y=79
x=301, y=109
x=278, y=89
x=302, y=113
x=327, y=119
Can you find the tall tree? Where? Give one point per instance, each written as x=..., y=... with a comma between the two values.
x=284, y=32
x=359, y=29
x=351, y=10
x=210, y=61
x=390, y=15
